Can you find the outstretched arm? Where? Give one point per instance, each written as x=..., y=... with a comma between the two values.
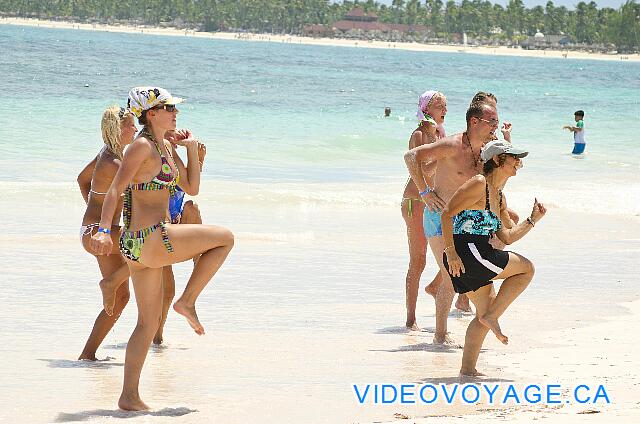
x=84, y=179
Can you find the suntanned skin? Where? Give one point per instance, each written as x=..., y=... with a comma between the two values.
x=425, y=133
x=456, y=161
x=140, y=164
x=519, y=270
x=97, y=175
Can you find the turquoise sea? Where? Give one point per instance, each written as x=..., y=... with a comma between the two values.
x=275, y=112
x=305, y=170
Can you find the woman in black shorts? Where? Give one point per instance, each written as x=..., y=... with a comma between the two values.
x=470, y=219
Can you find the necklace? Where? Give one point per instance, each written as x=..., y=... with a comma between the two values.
x=473, y=154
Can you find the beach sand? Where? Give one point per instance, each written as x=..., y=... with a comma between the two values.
x=493, y=50
x=310, y=302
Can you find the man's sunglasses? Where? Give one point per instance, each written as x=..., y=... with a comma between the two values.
x=494, y=122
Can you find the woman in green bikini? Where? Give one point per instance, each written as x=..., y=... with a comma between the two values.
x=150, y=171
x=432, y=109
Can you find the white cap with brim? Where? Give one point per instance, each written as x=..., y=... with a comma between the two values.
x=145, y=98
x=498, y=147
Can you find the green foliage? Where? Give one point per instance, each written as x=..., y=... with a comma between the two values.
x=446, y=19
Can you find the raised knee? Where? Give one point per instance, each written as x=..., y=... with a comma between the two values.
x=229, y=238
x=529, y=268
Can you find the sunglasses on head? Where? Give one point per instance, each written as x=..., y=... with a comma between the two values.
x=168, y=108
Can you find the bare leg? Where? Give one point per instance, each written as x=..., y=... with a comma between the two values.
x=444, y=298
x=432, y=288
x=188, y=241
x=104, y=323
x=168, y=293
x=110, y=284
x=191, y=215
x=462, y=303
x=517, y=276
x=148, y=290
x=487, y=305
x=417, y=257
x=476, y=332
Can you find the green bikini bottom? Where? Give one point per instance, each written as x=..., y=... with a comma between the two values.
x=131, y=242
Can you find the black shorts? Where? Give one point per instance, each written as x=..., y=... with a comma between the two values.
x=482, y=262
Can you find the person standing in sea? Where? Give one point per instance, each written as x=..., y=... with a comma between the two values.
x=456, y=159
x=150, y=171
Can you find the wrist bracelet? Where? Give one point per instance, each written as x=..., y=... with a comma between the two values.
x=426, y=191
x=448, y=247
x=530, y=221
x=104, y=230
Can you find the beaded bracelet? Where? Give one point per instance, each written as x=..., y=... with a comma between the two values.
x=530, y=221
x=426, y=190
x=104, y=230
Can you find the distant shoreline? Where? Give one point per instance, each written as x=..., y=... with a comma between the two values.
x=294, y=39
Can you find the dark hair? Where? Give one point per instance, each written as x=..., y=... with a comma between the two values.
x=476, y=110
x=491, y=165
x=579, y=113
x=142, y=119
x=482, y=96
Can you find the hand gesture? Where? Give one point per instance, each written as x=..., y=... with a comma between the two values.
x=433, y=202
x=538, y=211
x=202, y=151
x=506, y=131
x=182, y=134
x=101, y=243
x=456, y=267
x=186, y=142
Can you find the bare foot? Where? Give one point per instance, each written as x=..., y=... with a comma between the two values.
x=444, y=340
x=413, y=327
x=85, y=357
x=462, y=303
x=189, y=312
x=431, y=289
x=493, y=325
x=157, y=339
x=471, y=373
x=132, y=404
x=108, y=295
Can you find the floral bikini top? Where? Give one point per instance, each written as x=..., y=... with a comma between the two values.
x=165, y=180
x=478, y=222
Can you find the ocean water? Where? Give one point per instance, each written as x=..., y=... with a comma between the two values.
x=305, y=170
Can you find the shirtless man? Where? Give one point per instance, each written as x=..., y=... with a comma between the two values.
x=456, y=160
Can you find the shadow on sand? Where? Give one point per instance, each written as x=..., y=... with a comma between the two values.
x=405, y=330
x=421, y=347
x=108, y=362
x=465, y=380
x=64, y=417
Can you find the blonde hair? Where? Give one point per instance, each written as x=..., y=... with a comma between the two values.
x=112, y=119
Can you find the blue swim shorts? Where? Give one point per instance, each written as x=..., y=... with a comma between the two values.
x=578, y=148
x=431, y=223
